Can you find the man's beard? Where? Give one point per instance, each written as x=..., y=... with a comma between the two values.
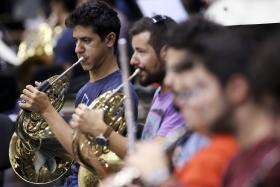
x=224, y=124
x=156, y=77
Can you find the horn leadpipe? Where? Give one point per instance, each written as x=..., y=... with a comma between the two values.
x=68, y=69
x=46, y=85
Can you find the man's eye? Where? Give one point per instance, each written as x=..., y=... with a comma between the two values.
x=86, y=40
x=141, y=51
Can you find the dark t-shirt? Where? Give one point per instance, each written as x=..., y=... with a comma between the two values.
x=92, y=90
x=258, y=165
x=88, y=93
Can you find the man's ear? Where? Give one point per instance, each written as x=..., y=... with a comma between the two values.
x=163, y=52
x=110, y=39
x=238, y=89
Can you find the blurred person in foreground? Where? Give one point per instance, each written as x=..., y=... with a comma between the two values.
x=258, y=162
x=205, y=63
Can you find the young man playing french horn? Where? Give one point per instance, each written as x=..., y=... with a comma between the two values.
x=96, y=29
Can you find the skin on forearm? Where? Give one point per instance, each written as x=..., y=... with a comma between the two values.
x=171, y=181
x=118, y=144
x=159, y=138
x=62, y=131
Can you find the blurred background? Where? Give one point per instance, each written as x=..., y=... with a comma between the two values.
x=35, y=45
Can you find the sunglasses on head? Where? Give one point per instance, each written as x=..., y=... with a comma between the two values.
x=158, y=19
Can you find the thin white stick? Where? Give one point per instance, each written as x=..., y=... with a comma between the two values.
x=130, y=122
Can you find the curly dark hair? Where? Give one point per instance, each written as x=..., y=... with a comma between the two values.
x=222, y=52
x=99, y=15
x=158, y=26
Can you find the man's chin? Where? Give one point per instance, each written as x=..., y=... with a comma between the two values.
x=149, y=79
x=145, y=83
x=86, y=68
x=142, y=80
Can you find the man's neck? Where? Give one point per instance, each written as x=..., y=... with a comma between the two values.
x=108, y=66
x=253, y=125
x=163, y=88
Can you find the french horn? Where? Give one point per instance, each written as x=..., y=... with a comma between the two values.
x=35, y=154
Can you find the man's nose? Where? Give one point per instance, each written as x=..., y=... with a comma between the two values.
x=79, y=48
x=134, y=61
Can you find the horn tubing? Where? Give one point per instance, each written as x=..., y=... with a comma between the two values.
x=67, y=70
x=117, y=89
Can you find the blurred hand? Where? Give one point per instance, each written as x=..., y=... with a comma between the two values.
x=34, y=100
x=150, y=160
x=88, y=120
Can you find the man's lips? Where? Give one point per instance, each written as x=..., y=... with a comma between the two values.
x=141, y=71
x=84, y=60
x=141, y=74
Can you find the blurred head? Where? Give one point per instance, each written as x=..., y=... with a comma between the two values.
x=67, y=5
x=148, y=38
x=60, y=9
x=203, y=60
x=180, y=36
x=96, y=29
x=195, y=6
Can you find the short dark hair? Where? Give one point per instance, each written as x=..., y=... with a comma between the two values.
x=99, y=15
x=264, y=74
x=158, y=26
x=219, y=50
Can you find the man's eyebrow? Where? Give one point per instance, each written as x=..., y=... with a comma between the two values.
x=183, y=66
x=81, y=37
